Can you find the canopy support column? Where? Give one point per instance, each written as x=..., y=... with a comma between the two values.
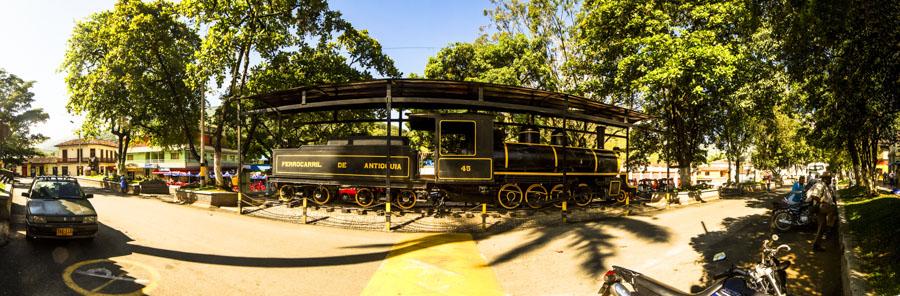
x=387, y=168
x=240, y=155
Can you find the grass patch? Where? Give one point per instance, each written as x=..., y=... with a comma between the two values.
x=874, y=223
x=854, y=194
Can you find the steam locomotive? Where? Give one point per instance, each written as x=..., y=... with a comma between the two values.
x=472, y=162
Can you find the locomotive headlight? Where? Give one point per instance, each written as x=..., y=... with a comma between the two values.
x=89, y=219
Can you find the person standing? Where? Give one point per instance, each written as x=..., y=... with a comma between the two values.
x=123, y=184
x=825, y=216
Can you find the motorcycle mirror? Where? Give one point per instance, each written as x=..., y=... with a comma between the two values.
x=775, y=237
x=719, y=257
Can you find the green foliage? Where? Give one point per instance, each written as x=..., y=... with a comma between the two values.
x=507, y=59
x=126, y=72
x=873, y=222
x=297, y=43
x=843, y=55
x=17, y=117
x=676, y=60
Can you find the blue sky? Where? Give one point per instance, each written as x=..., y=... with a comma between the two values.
x=33, y=38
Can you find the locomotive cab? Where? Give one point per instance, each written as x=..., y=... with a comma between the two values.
x=463, y=146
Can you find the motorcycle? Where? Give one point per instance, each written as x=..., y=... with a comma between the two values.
x=768, y=277
x=785, y=217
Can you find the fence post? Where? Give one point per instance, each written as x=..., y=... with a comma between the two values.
x=564, y=209
x=483, y=216
x=304, y=209
x=387, y=216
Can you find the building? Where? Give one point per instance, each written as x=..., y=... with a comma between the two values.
x=144, y=160
x=74, y=158
x=715, y=173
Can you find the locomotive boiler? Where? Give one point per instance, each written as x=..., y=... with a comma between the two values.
x=472, y=161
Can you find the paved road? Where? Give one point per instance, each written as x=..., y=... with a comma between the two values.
x=163, y=249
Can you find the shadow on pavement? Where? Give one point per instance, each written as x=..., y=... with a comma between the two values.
x=811, y=273
x=589, y=239
x=35, y=267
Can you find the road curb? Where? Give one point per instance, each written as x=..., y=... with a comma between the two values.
x=852, y=277
x=5, y=213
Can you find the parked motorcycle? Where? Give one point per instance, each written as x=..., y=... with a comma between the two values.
x=785, y=217
x=768, y=277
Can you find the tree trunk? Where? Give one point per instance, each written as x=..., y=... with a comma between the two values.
x=854, y=159
x=684, y=172
x=124, y=139
x=737, y=169
x=728, y=162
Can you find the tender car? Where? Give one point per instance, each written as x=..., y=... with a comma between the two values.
x=57, y=208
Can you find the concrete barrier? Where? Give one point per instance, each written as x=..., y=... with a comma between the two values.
x=207, y=198
x=5, y=211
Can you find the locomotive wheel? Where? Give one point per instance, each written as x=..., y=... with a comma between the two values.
x=509, y=196
x=286, y=193
x=536, y=196
x=406, y=199
x=365, y=197
x=583, y=195
x=556, y=194
x=321, y=195
x=621, y=197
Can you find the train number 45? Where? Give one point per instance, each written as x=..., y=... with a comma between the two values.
x=465, y=168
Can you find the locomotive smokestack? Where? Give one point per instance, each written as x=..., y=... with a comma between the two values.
x=601, y=136
x=529, y=134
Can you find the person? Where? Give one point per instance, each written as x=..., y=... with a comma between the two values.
x=891, y=179
x=823, y=193
x=123, y=184
x=797, y=191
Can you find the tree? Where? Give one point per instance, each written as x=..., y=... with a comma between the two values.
x=549, y=27
x=507, y=59
x=290, y=37
x=676, y=60
x=126, y=71
x=17, y=141
x=842, y=54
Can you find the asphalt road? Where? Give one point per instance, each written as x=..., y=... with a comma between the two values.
x=148, y=246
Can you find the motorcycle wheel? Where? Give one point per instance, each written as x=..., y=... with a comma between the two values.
x=781, y=221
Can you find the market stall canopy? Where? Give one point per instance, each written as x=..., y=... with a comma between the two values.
x=441, y=94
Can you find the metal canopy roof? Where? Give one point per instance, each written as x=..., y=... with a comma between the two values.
x=442, y=94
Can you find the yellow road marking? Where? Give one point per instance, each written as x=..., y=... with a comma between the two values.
x=442, y=264
x=149, y=287
x=104, y=285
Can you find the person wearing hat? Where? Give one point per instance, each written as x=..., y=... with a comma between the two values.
x=823, y=193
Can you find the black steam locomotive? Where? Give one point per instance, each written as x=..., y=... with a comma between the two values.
x=471, y=162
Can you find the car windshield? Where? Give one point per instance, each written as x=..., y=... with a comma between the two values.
x=56, y=190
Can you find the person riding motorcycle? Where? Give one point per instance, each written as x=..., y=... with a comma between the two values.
x=822, y=193
x=797, y=192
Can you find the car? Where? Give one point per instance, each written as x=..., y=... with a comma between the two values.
x=57, y=208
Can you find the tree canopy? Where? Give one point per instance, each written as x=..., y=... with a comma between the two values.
x=17, y=117
x=297, y=42
x=126, y=71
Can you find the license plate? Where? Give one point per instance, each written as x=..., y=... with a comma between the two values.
x=64, y=232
